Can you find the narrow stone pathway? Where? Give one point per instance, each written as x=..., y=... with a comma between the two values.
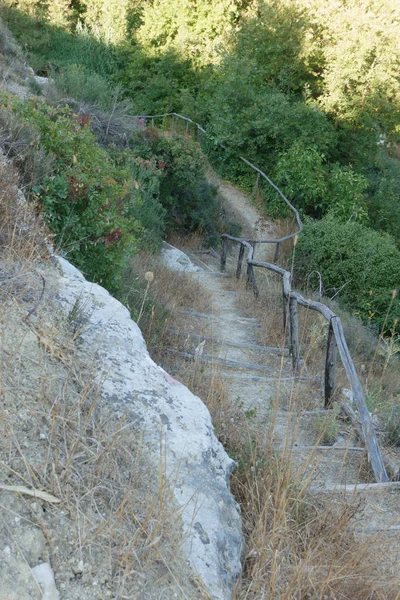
x=259, y=378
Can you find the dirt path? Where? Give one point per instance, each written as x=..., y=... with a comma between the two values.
x=240, y=208
x=260, y=379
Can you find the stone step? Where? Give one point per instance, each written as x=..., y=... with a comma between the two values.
x=206, y=273
x=234, y=364
x=241, y=320
x=238, y=350
x=328, y=468
x=380, y=505
x=370, y=489
x=233, y=293
x=222, y=342
x=282, y=377
x=302, y=432
x=208, y=260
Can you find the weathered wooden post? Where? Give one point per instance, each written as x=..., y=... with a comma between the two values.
x=256, y=186
x=240, y=261
x=368, y=432
x=276, y=255
x=294, y=333
x=285, y=299
x=223, y=253
x=330, y=367
x=251, y=279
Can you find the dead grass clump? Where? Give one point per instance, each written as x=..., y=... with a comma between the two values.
x=21, y=143
x=297, y=546
x=22, y=233
x=114, y=126
x=161, y=307
x=282, y=228
x=267, y=308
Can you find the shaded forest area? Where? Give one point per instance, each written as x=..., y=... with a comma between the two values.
x=309, y=90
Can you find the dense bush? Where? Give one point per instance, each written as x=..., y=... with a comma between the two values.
x=305, y=91
x=88, y=202
x=190, y=202
x=361, y=262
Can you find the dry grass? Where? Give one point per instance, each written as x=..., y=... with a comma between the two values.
x=168, y=295
x=298, y=546
x=56, y=435
x=22, y=233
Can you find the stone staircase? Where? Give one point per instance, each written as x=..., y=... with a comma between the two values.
x=260, y=377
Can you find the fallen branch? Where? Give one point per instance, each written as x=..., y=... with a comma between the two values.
x=21, y=489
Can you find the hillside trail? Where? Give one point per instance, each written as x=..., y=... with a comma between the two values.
x=259, y=379
x=239, y=207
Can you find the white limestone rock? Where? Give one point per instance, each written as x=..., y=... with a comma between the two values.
x=44, y=575
x=42, y=81
x=197, y=464
x=176, y=260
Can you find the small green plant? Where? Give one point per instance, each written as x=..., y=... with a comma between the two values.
x=34, y=86
x=392, y=426
x=250, y=413
x=327, y=426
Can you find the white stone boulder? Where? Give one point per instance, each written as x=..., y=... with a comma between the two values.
x=197, y=465
x=176, y=260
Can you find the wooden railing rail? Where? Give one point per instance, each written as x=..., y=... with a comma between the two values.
x=336, y=343
x=291, y=300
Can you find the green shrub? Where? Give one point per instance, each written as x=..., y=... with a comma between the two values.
x=384, y=194
x=188, y=199
x=363, y=262
x=85, y=85
x=51, y=47
x=88, y=202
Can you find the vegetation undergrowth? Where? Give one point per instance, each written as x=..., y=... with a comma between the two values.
x=104, y=203
x=286, y=105
x=298, y=545
x=295, y=548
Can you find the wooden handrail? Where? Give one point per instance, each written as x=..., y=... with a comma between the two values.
x=336, y=344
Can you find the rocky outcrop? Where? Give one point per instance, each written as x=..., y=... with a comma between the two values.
x=176, y=260
x=197, y=466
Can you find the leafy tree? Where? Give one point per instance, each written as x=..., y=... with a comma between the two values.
x=272, y=34
x=107, y=18
x=189, y=201
x=359, y=43
x=60, y=13
x=194, y=29
x=384, y=194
